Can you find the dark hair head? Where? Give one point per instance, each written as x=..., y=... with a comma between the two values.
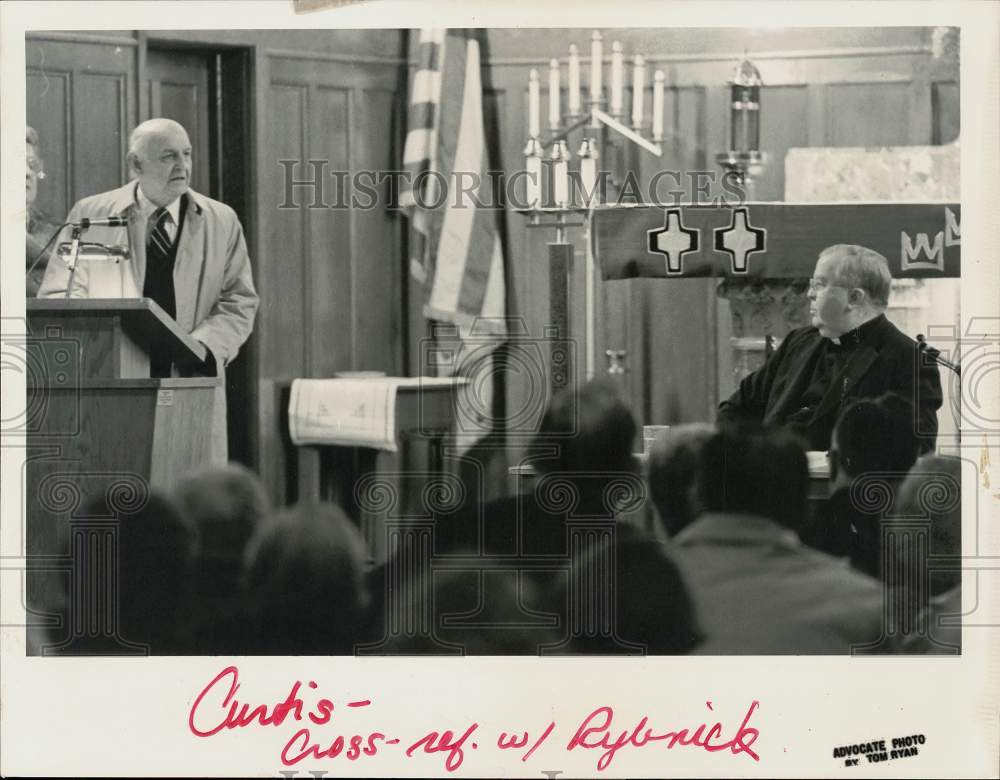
x=226, y=503
x=156, y=545
x=933, y=489
x=592, y=427
x=876, y=435
x=671, y=470
x=755, y=472
x=306, y=580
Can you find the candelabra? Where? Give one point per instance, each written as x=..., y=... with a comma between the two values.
x=551, y=200
x=547, y=156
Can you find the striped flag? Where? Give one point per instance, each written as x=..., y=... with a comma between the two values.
x=455, y=247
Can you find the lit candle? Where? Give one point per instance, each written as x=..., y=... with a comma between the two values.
x=534, y=128
x=574, y=79
x=596, y=65
x=658, y=105
x=638, y=90
x=617, y=78
x=554, y=94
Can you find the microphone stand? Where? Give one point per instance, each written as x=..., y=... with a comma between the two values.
x=74, y=255
x=925, y=349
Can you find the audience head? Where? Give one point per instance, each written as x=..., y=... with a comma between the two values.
x=226, y=504
x=633, y=575
x=672, y=468
x=753, y=471
x=849, y=287
x=874, y=435
x=933, y=489
x=592, y=427
x=480, y=613
x=34, y=171
x=156, y=548
x=306, y=580
x=159, y=156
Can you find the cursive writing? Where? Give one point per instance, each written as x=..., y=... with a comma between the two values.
x=445, y=742
x=218, y=707
x=596, y=732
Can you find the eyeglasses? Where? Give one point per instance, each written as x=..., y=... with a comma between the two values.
x=35, y=166
x=818, y=283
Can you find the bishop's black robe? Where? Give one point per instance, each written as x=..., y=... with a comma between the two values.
x=809, y=380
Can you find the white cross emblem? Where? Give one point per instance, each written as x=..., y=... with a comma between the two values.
x=672, y=241
x=740, y=240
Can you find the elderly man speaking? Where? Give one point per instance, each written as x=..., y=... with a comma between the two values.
x=851, y=351
x=187, y=253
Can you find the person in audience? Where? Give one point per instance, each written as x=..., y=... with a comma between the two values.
x=851, y=351
x=39, y=228
x=226, y=503
x=305, y=579
x=586, y=439
x=933, y=490
x=589, y=474
x=653, y=612
x=756, y=588
x=592, y=432
x=874, y=447
x=671, y=471
x=466, y=612
x=155, y=548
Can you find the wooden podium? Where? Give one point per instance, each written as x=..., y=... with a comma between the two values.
x=97, y=424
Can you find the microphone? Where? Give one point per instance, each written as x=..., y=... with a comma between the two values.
x=85, y=223
x=935, y=355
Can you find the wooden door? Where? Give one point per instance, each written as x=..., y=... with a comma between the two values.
x=180, y=86
x=206, y=90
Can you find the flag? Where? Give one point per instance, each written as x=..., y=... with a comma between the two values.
x=455, y=246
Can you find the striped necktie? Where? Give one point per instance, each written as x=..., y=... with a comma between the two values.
x=158, y=237
x=159, y=285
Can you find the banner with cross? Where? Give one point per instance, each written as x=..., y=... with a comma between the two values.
x=773, y=240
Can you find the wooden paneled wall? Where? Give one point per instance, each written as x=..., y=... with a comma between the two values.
x=82, y=99
x=333, y=284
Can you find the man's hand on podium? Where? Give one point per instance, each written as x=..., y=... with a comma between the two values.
x=192, y=367
x=208, y=367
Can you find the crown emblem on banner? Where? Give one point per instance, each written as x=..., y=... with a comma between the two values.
x=913, y=250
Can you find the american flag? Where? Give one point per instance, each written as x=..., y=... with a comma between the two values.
x=455, y=247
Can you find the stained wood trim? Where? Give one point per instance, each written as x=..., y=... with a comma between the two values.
x=82, y=37
x=345, y=59
x=305, y=135
x=791, y=54
x=352, y=229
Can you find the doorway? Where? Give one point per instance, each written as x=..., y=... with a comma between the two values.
x=208, y=90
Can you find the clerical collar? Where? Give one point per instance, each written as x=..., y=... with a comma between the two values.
x=147, y=207
x=860, y=335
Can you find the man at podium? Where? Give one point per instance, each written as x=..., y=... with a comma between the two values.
x=851, y=351
x=186, y=252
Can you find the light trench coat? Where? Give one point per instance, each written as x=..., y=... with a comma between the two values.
x=213, y=284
